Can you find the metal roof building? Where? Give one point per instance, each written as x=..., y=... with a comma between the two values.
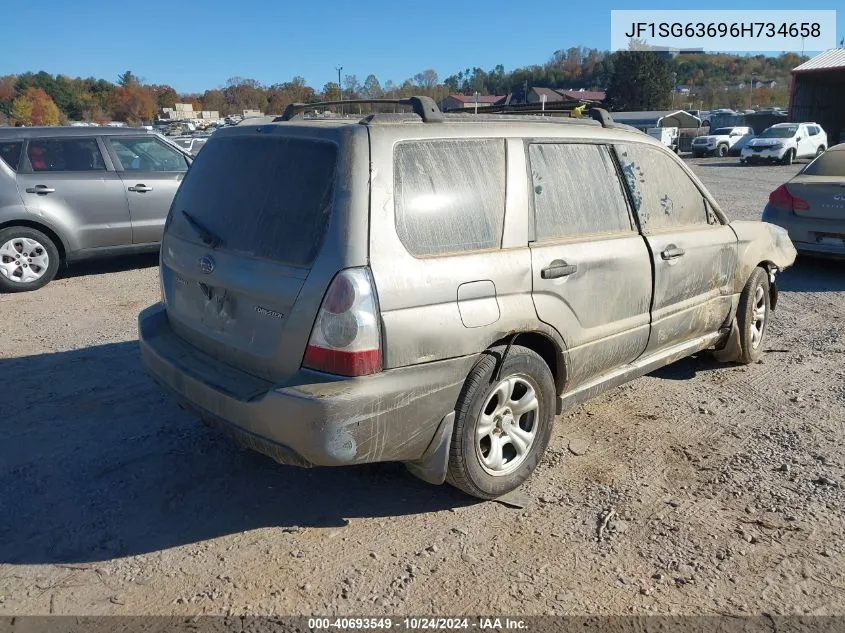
x=818, y=93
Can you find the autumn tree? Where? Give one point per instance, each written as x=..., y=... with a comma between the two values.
x=22, y=110
x=35, y=107
x=133, y=103
x=165, y=96
x=245, y=94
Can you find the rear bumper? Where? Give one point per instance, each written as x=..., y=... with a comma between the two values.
x=313, y=419
x=808, y=234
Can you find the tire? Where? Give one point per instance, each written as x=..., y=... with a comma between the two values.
x=19, y=243
x=788, y=158
x=696, y=154
x=820, y=150
x=753, y=316
x=475, y=466
x=722, y=151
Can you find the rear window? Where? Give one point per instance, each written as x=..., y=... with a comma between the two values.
x=831, y=163
x=262, y=196
x=10, y=153
x=450, y=195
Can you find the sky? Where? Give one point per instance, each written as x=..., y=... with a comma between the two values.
x=199, y=49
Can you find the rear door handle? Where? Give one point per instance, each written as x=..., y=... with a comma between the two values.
x=40, y=189
x=557, y=269
x=672, y=252
x=140, y=188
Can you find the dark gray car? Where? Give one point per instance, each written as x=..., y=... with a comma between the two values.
x=811, y=206
x=69, y=193
x=432, y=289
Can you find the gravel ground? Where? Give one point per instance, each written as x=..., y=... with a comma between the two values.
x=725, y=485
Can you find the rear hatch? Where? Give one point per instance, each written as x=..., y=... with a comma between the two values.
x=244, y=230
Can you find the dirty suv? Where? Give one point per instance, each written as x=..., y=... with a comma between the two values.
x=433, y=289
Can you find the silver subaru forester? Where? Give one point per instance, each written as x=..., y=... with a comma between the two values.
x=432, y=289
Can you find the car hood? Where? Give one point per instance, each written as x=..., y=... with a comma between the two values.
x=758, y=243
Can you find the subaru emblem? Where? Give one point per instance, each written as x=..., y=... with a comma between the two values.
x=206, y=264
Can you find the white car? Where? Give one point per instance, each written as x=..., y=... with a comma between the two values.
x=784, y=142
x=721, y=141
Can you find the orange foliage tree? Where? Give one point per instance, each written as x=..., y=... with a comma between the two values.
x=134, y=103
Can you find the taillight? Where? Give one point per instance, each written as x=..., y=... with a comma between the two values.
x=782, y=199
x=346, y=338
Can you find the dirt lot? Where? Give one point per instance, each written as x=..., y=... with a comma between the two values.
x=728, y=482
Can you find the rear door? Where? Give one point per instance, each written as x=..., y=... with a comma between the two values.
x=806, y=141
x=694, y=254
x=591, y=269
x=151, y=172
x=246, y=228
x=70, y=181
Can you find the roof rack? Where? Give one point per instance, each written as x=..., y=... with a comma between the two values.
x=424, y=107
x=597, y=114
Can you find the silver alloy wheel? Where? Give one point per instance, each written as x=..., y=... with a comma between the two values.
x=23, y=260
x=758, y=318
x=507, y=425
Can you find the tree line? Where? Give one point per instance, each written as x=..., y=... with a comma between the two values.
x=633, y=81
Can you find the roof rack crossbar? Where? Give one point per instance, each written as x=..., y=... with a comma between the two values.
x=602, y=116
x=424, y=107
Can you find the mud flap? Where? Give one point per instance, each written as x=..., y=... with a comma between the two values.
x=434, y=463
x=773, y=292
x=732, y=349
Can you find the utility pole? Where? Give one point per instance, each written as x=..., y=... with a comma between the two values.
x=339, y=89
x=751, y=91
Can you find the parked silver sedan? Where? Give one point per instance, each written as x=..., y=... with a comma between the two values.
x=811, y=206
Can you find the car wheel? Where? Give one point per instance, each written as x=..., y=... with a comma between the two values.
x=502, y=426
x=753, y=316
x=28, y=259
x=696, y=154
x=820, y=150
x=722, y=151
x=788, y=157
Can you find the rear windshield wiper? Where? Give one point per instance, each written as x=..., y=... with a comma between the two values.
x=208, y=238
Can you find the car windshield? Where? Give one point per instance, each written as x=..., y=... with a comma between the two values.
x=831, y=163
x=780, y=132
x=723, y=131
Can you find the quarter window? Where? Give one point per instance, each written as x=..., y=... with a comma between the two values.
x=664, y=196
x=147, y=154
x=77, y=154
x=10, y=153
x=450, y=195
x=576, y=191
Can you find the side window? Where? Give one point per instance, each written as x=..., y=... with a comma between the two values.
x=664, y=195
x=10, y=153
x=75, y=154
x=450, y=195
x=576, y=191
x=147, y=154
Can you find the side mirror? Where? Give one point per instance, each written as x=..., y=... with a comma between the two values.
x=797, y=138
